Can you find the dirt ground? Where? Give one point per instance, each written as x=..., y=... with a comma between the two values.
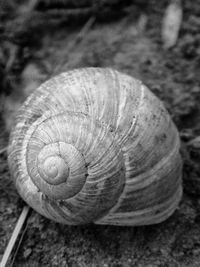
x=132, y=44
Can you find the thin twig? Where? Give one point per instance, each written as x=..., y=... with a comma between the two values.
x=14, y=236
x=78, y=38
x=18, y=245
x=82, y=33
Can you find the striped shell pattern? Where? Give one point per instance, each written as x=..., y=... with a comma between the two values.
x=95, y=145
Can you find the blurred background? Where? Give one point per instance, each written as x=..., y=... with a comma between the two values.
x=155, y=41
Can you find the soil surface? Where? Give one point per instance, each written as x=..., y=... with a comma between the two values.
x=132, y=44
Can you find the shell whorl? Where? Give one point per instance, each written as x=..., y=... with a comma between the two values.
x=95, y=145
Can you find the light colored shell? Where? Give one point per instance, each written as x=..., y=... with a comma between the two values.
x=95, y=145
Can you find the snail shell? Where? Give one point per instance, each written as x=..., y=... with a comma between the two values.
x=95, y=145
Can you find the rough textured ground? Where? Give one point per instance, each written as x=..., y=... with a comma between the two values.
x=133, y=45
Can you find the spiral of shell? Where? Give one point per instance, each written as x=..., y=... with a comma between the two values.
x=95, y=145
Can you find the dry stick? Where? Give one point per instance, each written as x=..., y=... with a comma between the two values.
x=14, y=236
